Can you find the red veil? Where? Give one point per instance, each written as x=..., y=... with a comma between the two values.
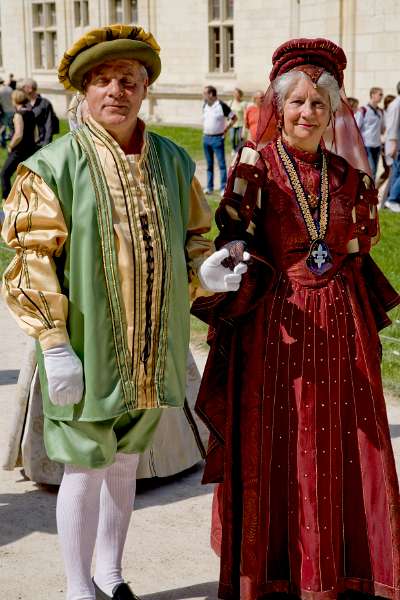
x=313, y=56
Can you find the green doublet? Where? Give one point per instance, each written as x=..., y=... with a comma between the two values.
x=89, y=277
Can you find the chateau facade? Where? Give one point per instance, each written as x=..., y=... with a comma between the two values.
x=226, y=43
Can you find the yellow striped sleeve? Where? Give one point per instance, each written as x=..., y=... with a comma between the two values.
x=197, y=246
x=35, y=228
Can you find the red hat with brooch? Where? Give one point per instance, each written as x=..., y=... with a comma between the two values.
x=312, y=56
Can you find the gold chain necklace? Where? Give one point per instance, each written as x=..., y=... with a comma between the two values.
x=319, y=258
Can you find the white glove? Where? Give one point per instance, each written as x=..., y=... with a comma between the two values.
x=216, y=278
x=64, y=375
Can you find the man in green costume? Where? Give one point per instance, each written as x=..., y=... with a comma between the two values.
x=107, y=224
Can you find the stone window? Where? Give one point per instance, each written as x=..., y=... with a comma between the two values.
x=133, y=15
x=81, y=13
x=221, y=35
x=44, y=21
x=124, y=11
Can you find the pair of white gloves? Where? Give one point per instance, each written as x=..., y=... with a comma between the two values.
x=64, y=369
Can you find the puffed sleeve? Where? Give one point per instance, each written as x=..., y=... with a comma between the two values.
x=197, y=246
x=375, y=293
x=236, y=215
x=34, y=226
x=236, y=218
x=365, y=228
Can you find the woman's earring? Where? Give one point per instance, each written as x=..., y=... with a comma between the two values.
x=279, y=125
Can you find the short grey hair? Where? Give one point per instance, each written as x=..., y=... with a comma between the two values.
x=29, y=82
x=142, y=70
x=284, y=83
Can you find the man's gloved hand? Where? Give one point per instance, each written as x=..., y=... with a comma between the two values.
x=64, y=375
x=216, y=278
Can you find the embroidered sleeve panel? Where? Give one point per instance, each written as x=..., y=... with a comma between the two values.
x=197, y=246
x=35, y=228
x=236, y=216
x=365, y=216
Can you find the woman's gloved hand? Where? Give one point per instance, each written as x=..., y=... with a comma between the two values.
x=64, y=375
x=215, y=277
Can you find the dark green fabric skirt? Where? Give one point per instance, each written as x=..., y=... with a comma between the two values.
x=94, y=444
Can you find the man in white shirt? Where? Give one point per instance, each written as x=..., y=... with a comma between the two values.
x=217, y=119
x=370, y=123
x=392, y=152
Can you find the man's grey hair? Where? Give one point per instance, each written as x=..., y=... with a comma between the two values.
x=28, y=81
x=285, y=83
x=141, y=68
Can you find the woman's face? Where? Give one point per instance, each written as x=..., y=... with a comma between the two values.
x=306, y=114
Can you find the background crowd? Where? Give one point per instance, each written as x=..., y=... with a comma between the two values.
x=378, y=122
x=27, y=122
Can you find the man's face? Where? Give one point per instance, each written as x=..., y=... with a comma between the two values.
x=258, y=98
x=114, y=93
x=377, y=96
x=207, y=95
x=28, y=90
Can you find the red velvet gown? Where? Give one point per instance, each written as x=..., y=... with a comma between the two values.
x=293, y=397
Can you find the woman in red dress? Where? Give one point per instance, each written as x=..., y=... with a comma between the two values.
x=308, y=501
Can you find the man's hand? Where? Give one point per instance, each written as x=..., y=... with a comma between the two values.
x=216, y=278
x=64, y=375
x=392, y=148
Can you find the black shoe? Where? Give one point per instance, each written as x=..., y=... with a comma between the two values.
x=122, y=591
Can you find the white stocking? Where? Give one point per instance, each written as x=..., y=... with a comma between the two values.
x=77, y=519
x=116, y=504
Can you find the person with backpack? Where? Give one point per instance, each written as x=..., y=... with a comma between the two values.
x=392, y=155
x=370, y=123
x=46, y=119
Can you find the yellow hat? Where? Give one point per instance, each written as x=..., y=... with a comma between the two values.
x=108, y=43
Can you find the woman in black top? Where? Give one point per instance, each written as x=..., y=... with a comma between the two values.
x=22, y=143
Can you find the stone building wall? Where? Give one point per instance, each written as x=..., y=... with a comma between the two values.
x=368, y=30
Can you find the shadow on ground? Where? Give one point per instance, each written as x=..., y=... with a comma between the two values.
x=208, y=591
x=35, y=510
x=166, y=490
x=23, y=514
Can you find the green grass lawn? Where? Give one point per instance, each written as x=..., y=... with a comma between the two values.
x=188, y=137
x=386, y=255
x=6, y=255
